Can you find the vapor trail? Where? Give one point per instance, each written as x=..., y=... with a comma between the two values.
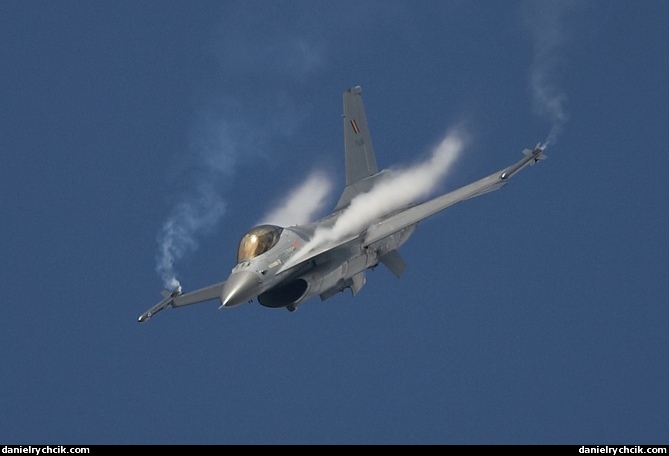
x=214, y=152
x=302, y=203
x=545, y=20
x=180, y=231
x=234, y=125
x=401, y=187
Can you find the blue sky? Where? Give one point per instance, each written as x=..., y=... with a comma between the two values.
x=535, y=314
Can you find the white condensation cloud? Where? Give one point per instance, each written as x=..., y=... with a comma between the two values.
x=398, y=189
x=303, y=203
x=214, y=153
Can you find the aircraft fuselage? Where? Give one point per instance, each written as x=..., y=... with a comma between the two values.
x=325, y=274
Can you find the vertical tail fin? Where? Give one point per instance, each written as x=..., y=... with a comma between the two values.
x=358, y=149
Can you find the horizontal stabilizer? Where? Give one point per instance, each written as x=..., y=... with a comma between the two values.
x=393, y=261
x=357, y=282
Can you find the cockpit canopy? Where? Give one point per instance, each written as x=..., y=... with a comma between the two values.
x=258, y=241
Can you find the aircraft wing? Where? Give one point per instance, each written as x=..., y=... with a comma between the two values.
x=178, y=298
x=417, y=213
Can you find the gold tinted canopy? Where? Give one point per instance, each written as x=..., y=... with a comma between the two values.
x=258, y=241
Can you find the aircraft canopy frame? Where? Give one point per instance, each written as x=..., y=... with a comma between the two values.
x=257, y=241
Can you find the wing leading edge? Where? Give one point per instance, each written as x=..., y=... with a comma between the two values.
x=178, y=298
x=417, y=213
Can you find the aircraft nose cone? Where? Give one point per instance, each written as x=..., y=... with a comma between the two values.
x=240, y=287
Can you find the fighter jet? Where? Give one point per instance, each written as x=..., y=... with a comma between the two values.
x=281, y=267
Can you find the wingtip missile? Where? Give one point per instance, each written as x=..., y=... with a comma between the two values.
x=531, y=157
x=168, y=299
